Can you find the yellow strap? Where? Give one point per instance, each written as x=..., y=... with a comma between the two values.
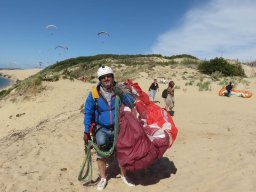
x=95, y=93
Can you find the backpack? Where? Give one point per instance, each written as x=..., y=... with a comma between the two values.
x=95, y=96
x=164, y=94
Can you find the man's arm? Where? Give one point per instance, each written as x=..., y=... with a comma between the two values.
x=149, y=87
x=88, y=112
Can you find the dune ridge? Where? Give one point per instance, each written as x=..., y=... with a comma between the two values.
x=42, y=148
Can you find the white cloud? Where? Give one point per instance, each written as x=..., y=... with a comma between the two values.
x=220, y=28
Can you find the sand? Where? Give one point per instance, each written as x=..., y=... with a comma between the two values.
x=41, y=142
x=19, y=74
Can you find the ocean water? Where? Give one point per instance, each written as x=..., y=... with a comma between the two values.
x=4, y=82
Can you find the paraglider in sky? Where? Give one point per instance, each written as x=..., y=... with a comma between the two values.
x=51, y=26
x=62, y=47
x=61, y=50
x=103, y=33
x=40, y=64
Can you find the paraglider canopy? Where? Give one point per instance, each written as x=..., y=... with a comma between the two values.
x=51, y=26
x=40, y=64
x=62, y=47
x=103, y=33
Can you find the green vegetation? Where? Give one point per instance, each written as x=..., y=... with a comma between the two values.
x=189, y=61
x=236, y=80
x=190, y=83
x=216, y=75
x=32, y=85
x=181, y=56
x=74, y=68
x=5, y=92
x=204, y=85
x=221, y=65
x=129, y=67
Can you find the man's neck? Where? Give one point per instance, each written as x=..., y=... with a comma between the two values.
x=107, y=89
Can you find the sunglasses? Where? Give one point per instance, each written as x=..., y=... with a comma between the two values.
x=106, y=76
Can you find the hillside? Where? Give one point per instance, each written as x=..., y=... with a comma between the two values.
x=42, y=128
x=126, y=67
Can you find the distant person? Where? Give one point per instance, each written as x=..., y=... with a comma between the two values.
x=153, y=89
x=169, y=101
x=163, y=81
x=83, y=78
x=229, y=88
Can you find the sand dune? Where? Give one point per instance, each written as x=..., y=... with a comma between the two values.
x=42, y=148
x=19, y=74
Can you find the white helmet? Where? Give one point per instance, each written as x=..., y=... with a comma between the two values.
x=104, y=70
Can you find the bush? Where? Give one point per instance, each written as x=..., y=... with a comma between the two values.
x=204, y=85
x=216, y=75
x=189, y=61
x=221, y=65
x=32, y=85
x=181, y=56
x=190, y=83
x=5, y=92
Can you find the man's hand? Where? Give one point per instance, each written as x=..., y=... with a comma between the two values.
x=87, y=137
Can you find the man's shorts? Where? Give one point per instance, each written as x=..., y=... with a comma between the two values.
x=104, y=139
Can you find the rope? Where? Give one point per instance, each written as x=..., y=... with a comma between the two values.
x=85, y=174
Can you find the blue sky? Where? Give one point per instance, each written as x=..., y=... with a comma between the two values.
x=202, y=28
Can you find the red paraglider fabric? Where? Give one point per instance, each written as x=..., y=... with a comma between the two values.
x=145, y=132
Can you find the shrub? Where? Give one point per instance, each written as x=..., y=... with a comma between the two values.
x=224, y=82
x=216, y=75
x=151, y=66
x=204, y=85
x=181, y=56
x=189, y=61
x=190, y=83
x=5, y=92
x=31, y=85
x=221, y=65
x=247, y=83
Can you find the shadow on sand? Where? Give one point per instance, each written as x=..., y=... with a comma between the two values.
x=160, y=169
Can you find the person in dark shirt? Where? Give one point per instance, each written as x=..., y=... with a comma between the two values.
x=152, y=90
x=229, y=88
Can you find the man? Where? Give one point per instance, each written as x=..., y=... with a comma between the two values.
x=152, y=90
x=103, y=113
x=229, y=88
